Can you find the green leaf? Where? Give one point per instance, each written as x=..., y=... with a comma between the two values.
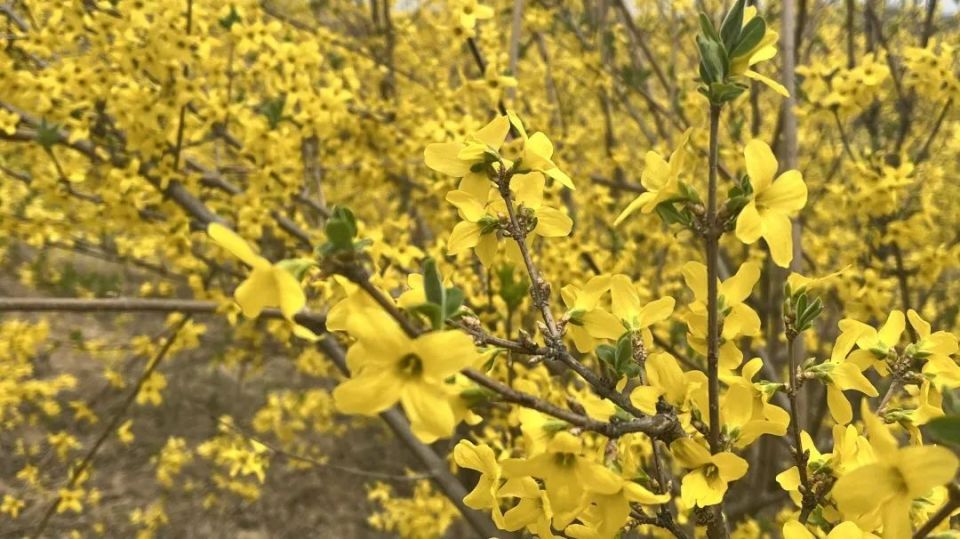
x=712, y=60
x=624, y=349
x=297, y=266
x=707, y=27
x=946, y=429
x=273, y=110
x=453, y=300
x=230, y=19
x=433, y=283
x=431, y=312
x=339, y=234
x=722, y=92
x=48, y=134
x=730, y=29
x=607, y=354
x=752, y=33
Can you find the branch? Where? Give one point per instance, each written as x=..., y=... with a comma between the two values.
x=313, y=321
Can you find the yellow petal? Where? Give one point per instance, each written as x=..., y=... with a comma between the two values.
x=730, y=466
x=778, y=231
x=231, y=241
x=465, y=235
x=494, y=133
x=749, y=226
x=528, y=189
x=761, y=164
x=890, y=333
x=794, y=530
x=926, y=467
x=553, y=223
x=292, y=299
x=367, y=394
x=470, y=207
x=738, y=288
x=257, y=292
x=787, y=194
x=656, y=311
x=639, y=202
x=840, y=408
x=695, y=276
x=863, y=489
x=847, y=376
x=774, y=85
x=442, y=157
x=429, y=411
x=645, y=398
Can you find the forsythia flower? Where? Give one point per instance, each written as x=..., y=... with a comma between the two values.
x=889, y=486
x=767, y=215
x=538, y=153
x=458, y=158
x=387, y=366
x=586, y=321
x=482, y=459
x=660, y=179
x=706, y=482
x=469, y=11
x=736, y=317
x=566, y=473
x=268, y=285
x=765, y=49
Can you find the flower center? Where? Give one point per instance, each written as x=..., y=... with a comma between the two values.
x=410, y=366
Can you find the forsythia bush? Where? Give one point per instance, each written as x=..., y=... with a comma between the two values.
x=607, y=269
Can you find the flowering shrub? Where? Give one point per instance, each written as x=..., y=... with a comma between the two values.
x=602, y=267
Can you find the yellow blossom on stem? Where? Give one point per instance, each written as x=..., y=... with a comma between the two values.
x=706, y=482
x=388, y=367
x=768, y=212
x=267, y=285
x=889, y=486
x=660, y=179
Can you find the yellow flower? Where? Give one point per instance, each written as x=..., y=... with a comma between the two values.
x=635, y=316
x=873, y=345
x=666, y=378
x=660, y=179
x=458, y=158
x=586, y=321
x=533, y=512
x=11, y=506
x=706, y=482
x=889, y=486
x=537, y=154
x=839, y=375
x=606, y=514
x=566, y=473
x=765, y=49
x=268, y=285
x=387, y=366
x=469, y=11
x=736, y=317
x=493, y=83
x=767, y=215
x=482, y=459
x=481, y=207
x=745, y=412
